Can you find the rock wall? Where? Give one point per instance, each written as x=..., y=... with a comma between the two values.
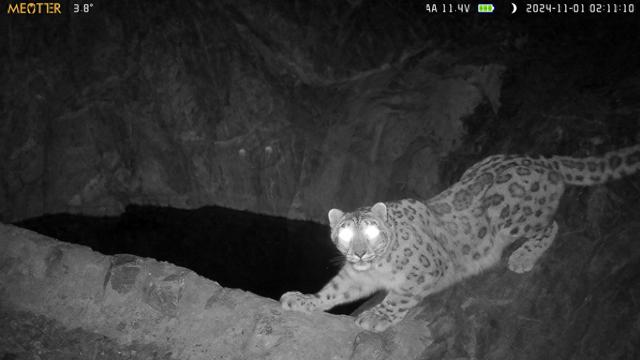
x=224, y=104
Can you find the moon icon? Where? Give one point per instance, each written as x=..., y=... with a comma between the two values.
x=514, y=8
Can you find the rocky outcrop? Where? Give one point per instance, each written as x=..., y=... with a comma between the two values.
x=138, y=306
x=244, y=114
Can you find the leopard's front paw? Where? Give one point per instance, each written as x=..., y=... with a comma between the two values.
x=374, y=320
x=294, y=300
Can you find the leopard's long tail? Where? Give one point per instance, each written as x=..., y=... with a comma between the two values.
x=595, y=170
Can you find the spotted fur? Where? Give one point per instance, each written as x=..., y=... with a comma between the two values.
x=421, y=247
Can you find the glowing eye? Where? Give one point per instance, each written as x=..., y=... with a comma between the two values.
x=345, y=235
x=371, y=232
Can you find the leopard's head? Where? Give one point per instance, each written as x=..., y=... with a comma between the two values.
x=362, y=236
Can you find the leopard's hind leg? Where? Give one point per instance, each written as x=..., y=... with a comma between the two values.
x=524, y=257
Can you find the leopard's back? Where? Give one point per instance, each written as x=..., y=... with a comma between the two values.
x=505, y=197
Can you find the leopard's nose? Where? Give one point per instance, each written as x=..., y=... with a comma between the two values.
x=360, y=252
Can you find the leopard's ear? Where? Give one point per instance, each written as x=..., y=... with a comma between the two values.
x=334, y=217
x=380, y=210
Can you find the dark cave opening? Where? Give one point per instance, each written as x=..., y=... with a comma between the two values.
x=263, y=254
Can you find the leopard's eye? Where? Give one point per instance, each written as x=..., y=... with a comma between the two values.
x=371, y=231
x=345, y=235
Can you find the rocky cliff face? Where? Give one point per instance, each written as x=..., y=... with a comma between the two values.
x=234, y=104
x=292, y=108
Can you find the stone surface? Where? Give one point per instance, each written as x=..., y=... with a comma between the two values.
x=233, y=118
x=287, y=108
x=129, y=304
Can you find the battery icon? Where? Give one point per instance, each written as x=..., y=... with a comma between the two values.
x=485, y=8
